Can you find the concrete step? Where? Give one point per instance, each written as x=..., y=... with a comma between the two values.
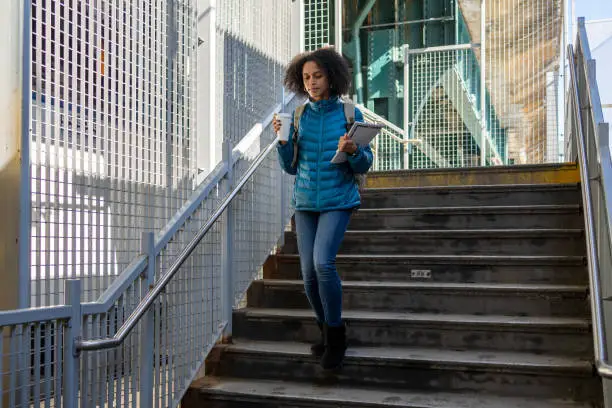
x=502, y=373
x=433, y=297
x=464, y=196
x=551, y=335
x=495, y=217
x=458, y=242
x=515, y=174
x=214, y=392
x=560, y=270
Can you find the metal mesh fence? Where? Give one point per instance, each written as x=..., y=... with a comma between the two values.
x=110, y=377
x=113, y=143
x=31, y=364
x=317, y=25
x=254, y=41
x=261, y=212
x=523, y=77
x=444, y=110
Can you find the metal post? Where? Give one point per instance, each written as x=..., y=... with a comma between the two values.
x=406, y=105
x=25, y=196
x=338, y=25
x=72, y=297
x=207, y=151
x=483, y=86
x=363, y=13
x=228, y=245
x=147, y=336
x=302, y=26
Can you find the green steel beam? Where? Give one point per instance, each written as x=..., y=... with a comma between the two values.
x=356, y=29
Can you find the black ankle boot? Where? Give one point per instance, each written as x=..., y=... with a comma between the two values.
x=318, y=349
x=335, y=347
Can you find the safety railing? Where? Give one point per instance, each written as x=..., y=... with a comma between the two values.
x=32, y=365
x=142, y=343
x=443, y=109
x=587, y=141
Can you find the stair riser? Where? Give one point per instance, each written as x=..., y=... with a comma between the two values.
x=195, y=399
x=576, y=342
x=401, y=271
x=455, y=198
x=414, y=243
x=405, y=375
x=428, y=301
x=432, y=221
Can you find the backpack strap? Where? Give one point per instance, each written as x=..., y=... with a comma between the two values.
x=297, y=115
x=349, y=114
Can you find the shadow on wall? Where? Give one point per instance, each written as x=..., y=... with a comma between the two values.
x=251, y=86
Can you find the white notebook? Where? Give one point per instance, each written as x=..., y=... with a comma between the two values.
x=362, y=134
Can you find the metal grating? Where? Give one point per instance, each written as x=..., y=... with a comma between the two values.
x=113, y=135
x=523, y=73
x=251, y=58
x=443, y=110
x=31, y=364
x=316, y=23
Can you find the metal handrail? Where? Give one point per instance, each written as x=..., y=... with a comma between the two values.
x=151, y=296
x=428, y=50
x=601, y=359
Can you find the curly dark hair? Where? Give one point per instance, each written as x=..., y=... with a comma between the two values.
x=335, y=67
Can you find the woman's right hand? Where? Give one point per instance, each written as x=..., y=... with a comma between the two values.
x=276, y=125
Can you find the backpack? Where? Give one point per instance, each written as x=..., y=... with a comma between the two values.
x=349, y=114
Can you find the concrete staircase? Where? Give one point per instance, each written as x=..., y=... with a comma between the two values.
x=456, y=295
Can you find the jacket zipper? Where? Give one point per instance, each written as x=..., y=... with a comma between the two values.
x=319, y=162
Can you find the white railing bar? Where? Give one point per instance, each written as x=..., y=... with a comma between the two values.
x=117, y=288
x=378, y=118
x=243, y=146
x=256, y=131
x=599, y=336
x=200, y=194
x=369, y=114
x=151, y=296
x=34, y=315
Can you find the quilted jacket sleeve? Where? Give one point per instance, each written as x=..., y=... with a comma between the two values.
x=285, y=153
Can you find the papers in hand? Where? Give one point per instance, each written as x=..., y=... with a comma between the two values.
x=362, y=134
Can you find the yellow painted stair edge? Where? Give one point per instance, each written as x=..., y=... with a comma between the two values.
x=521, y=174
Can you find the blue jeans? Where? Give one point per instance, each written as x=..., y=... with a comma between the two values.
x=319, y=235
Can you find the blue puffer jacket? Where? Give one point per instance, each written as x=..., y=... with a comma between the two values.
x=319, y=184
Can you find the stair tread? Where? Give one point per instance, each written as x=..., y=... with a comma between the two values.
x=497, y=287
x=452, y=319
x=475, y=208
x=481, y=187
x=514, y=232
x=292, y=392
x=452, y=258
x=430, y=357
